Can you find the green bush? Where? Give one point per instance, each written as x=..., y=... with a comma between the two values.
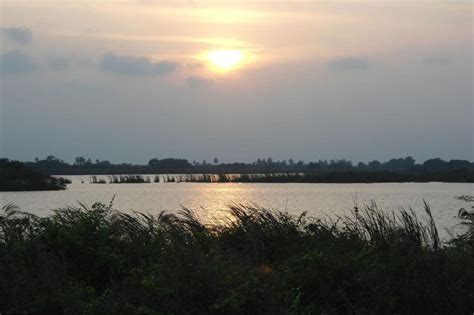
x=95, y=260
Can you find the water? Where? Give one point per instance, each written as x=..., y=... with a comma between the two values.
x=211, y=200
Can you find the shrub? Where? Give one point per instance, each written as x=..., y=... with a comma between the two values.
x=95, y=260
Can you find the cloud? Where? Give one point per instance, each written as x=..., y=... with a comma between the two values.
x=197, y=82
x=437, y=60
x=131, y=65
x=349, y=64
x=16, y=61
x=59, y=64
x=19, y=35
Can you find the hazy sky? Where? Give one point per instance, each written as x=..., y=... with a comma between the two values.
x=131, y=80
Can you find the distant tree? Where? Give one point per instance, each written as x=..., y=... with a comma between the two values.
x=399, y=164
x=53, y=165
x=167, y=162
x=103, y=164
x=374, y=165
x=153, y=162
x=435, y=165
x=50, y=162
x=459, y=164
x=323, y=164
x=17, y=176
x=170, y=164
x=300, y=164
x=80, y=160
x=409, y=162
x=314, y=166
x=339, y=165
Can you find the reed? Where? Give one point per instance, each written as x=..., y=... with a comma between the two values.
x=99, y=260
x=95, y=180
x=129, y=179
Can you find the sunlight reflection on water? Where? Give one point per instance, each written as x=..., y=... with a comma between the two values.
x=211, y=200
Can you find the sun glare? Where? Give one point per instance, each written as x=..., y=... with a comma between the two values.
x=225, y=60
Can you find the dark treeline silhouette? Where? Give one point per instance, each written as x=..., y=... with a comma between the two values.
x=337, y=171
x=82, y=166
x=16, y=176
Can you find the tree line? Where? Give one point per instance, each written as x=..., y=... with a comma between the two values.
x=16, y=176
x=82, y=165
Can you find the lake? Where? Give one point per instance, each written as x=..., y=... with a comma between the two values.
x=211, y=200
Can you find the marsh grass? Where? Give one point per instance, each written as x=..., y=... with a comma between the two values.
x=230, y=178
x=121, y=179
x=95, y=180
x=313, y=177
x=128, y=179
x=95, y=260
x=326, y=176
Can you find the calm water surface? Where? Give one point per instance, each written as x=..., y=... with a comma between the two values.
x=210, y=200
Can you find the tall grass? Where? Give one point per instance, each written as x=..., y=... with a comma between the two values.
x=317, y=177
x=325, y=176
x=95, y=180
x=96, y=260
x=230, y=178
x=192, y=178
x=129, y=179
x=121, y=179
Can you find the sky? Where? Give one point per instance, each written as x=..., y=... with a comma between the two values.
x=127, y=81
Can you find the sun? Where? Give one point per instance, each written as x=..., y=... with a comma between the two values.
x=225, y=60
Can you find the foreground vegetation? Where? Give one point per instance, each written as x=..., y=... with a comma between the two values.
x=99, y=261
x=15, y=176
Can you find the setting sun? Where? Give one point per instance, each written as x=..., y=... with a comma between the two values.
x=225, y=60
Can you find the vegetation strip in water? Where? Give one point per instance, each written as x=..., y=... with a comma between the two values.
x=95, y=260
x=318, y=177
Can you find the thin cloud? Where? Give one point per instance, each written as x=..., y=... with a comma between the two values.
x=436, y=60
x=59, y=63
x=131, y=65
x=19, y=35
x=348, y=64
x=197, y=82
x=16, y=61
